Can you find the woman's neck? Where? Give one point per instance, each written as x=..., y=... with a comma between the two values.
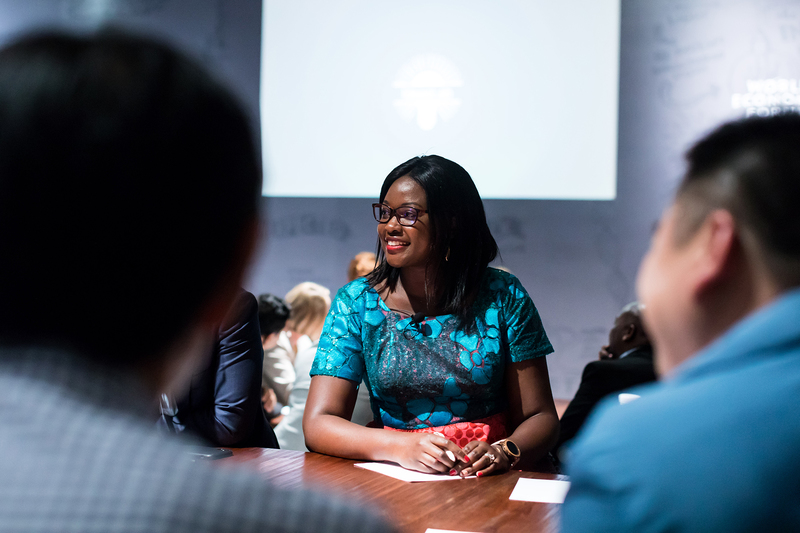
x=413, y=292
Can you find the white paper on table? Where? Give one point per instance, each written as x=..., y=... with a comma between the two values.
x=403, y=474
x=540, y=490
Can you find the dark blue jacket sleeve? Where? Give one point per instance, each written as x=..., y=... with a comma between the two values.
x=224, y=406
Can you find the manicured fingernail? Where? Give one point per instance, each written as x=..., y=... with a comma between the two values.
x=467, y=459
x=479, y=474
x=453, y=472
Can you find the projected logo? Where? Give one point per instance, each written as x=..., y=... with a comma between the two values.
x=772, y=96
x=427, y=85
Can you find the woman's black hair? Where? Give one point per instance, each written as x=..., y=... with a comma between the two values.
x=461, y=244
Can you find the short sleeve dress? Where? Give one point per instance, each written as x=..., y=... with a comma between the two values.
x=432, y=373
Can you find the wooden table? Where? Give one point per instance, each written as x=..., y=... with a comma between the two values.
x=475, y=505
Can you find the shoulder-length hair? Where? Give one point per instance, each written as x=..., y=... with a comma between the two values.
x=461, y=244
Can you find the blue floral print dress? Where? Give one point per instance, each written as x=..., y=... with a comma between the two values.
x=432, y=373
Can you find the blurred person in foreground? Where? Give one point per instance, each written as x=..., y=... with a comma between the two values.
x=124, y=169
x=626, y=361
x=713, y=447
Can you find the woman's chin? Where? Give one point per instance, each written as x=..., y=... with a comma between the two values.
x=394, y=262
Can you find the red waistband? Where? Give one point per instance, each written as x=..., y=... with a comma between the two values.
x=489, y=429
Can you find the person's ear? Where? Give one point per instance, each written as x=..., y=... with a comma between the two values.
x=716, y=244
x=630, y=332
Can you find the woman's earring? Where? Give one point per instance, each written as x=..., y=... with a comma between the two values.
x=447, y=255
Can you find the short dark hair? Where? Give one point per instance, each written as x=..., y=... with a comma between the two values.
x=750, y=167
x=128, y=177
x=273, y=312
x=462, y=245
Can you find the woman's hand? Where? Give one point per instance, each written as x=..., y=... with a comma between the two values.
x=431, y=453
x=484, y=459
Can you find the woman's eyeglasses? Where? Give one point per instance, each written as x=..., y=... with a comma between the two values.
x=406, y=216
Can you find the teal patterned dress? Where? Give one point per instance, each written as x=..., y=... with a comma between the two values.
x=433, y=373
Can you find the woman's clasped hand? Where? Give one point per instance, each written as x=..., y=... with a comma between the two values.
x=435, y=454
x=430, y=453
x=484, y=459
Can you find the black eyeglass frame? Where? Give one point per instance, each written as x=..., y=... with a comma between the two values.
x=377, y=208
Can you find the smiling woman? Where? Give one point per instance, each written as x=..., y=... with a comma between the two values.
x=404, y=232
x=452, y=351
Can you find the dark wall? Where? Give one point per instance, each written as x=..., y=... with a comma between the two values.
x=682, y=62
x=225, y=35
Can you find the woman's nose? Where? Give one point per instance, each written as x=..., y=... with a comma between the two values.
x=393, y=224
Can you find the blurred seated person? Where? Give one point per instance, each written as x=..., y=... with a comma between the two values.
x=273, y=312
x=310, y=304
x=223, y=404
x=626, y=361
x=361, y=265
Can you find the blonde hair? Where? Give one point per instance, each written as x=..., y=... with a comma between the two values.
x=353, y=271
x=310, y=303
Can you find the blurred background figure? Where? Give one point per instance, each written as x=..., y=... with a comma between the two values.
x=223, y=404
x=626, y=361
x=361, y=265
x=310, y=303
x=273, y=312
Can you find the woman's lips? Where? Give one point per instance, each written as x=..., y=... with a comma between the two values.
x=395, y=246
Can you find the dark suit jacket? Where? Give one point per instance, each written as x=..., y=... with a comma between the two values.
x=601, y=378
x=223, y=405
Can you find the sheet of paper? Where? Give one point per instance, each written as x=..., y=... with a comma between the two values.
x=540, y=490
x=403, y=474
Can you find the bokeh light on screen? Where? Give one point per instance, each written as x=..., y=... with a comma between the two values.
x=523, y=94
x=427, y=86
